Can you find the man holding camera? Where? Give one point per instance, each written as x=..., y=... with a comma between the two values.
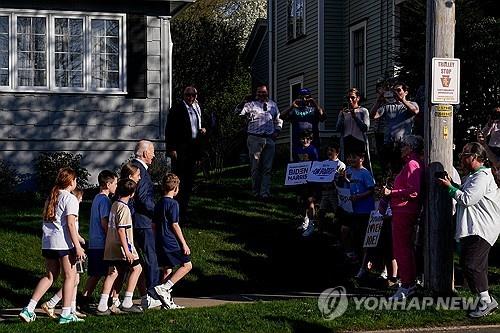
x=397, y=112
x=304, y=114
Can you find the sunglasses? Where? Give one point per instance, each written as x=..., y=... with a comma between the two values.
x=398, y=89
x=264, y=107
x=190, y=94
x=351, y=97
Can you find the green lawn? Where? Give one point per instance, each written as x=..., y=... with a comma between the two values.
x=238, y=246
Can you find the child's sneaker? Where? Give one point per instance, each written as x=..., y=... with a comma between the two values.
x=79, y=314
x=309, y=230
x=71, y=318
x=27, y=316
x=305, y=224
x=163, y=295
x=402, y=293
x=149, y=302
x=173, y=306
x=132, y=309
x=48, y=310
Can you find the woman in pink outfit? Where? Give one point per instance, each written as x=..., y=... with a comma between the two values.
x=406, y=207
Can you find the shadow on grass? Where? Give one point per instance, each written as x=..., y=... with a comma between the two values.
x=299, y=326
x=15, y=279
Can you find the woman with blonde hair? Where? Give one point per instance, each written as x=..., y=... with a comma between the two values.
x=60, y=246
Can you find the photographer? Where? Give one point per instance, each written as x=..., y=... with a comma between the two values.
x=304, y=114
x=397, y=112
x=353, y=123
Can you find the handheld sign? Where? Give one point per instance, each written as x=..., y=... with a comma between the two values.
x=373, y=230
x=344, y=202
x=296, y=173
x=322, y=172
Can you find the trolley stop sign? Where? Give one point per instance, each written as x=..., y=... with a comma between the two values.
x=445, y=81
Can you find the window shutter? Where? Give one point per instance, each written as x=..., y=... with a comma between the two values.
x=136, y=56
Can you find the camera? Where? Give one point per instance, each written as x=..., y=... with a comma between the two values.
x=441, y=174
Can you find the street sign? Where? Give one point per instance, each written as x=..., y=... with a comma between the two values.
x=445, y=81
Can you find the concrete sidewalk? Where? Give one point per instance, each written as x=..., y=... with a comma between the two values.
x=190, y=302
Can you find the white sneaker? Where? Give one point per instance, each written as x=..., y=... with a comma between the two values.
x=149, y=302
x=304, y=224
x=164, y=295
x=402, y=293
x=309, y=230
x=173, y=306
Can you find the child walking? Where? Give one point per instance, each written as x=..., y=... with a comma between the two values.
x=98, y=226
x=49, y=306
x=120, y=252
x=60, y=245
x=171, y=246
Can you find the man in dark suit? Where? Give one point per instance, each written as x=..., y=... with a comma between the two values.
x=183, y=135
x=142, y=214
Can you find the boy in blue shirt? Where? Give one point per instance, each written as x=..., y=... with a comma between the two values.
x=353, y=225
x=171, y=248
x=98, y=226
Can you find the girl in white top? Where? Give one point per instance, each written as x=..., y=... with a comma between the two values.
x=60, y=245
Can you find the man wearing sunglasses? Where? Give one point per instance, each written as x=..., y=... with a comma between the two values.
x=183, y=133
x=397, y=113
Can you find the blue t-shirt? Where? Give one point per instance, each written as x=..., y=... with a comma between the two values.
x=101, y=206
x=304, y=118
x=360, y=181
x=309, y=153
x=166, y=213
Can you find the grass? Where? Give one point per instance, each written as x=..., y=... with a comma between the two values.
x=238, y=246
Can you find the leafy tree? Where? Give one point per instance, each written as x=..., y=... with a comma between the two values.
x=209, y=38
x=477, y=45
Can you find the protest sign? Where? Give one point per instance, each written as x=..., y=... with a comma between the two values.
x=296, y=173
x=373, y=230
x=344, y=202
x=322, y=172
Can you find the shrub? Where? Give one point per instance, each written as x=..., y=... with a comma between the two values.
x=47, y=166
x=9, y=178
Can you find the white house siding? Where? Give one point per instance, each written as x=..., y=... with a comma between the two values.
x=297, y=57
x=103, y=128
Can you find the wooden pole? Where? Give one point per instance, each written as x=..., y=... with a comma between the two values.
x=438, y=119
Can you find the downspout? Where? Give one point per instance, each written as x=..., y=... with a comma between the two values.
x=321, y=57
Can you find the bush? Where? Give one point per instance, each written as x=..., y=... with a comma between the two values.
x=47, y=166
x=9, y=178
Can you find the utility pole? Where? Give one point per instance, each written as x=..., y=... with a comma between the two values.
x=438, y=137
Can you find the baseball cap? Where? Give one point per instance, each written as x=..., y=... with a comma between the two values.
x=304, y=92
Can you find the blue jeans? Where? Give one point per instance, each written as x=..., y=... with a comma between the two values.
x=261, y=153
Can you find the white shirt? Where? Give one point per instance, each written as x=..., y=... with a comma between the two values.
x=478, y=207
x=56, y=233
x=194, y=118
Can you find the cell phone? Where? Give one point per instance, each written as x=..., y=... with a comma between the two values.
x=79, y=267
x=441, y=174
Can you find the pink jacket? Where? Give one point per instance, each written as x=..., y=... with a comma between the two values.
x=405, y=196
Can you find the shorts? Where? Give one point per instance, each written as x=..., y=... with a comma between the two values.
x=56, y=254
x=96, y=264
x=172, y=259
x=122, y=263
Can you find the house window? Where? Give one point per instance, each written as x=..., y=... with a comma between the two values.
x=296, y=18
x=4, y=51
x=70, y=52
x=358, y=57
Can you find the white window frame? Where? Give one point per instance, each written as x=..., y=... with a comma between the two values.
x=352, y=30
x=51, y=87
x=296, y=35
